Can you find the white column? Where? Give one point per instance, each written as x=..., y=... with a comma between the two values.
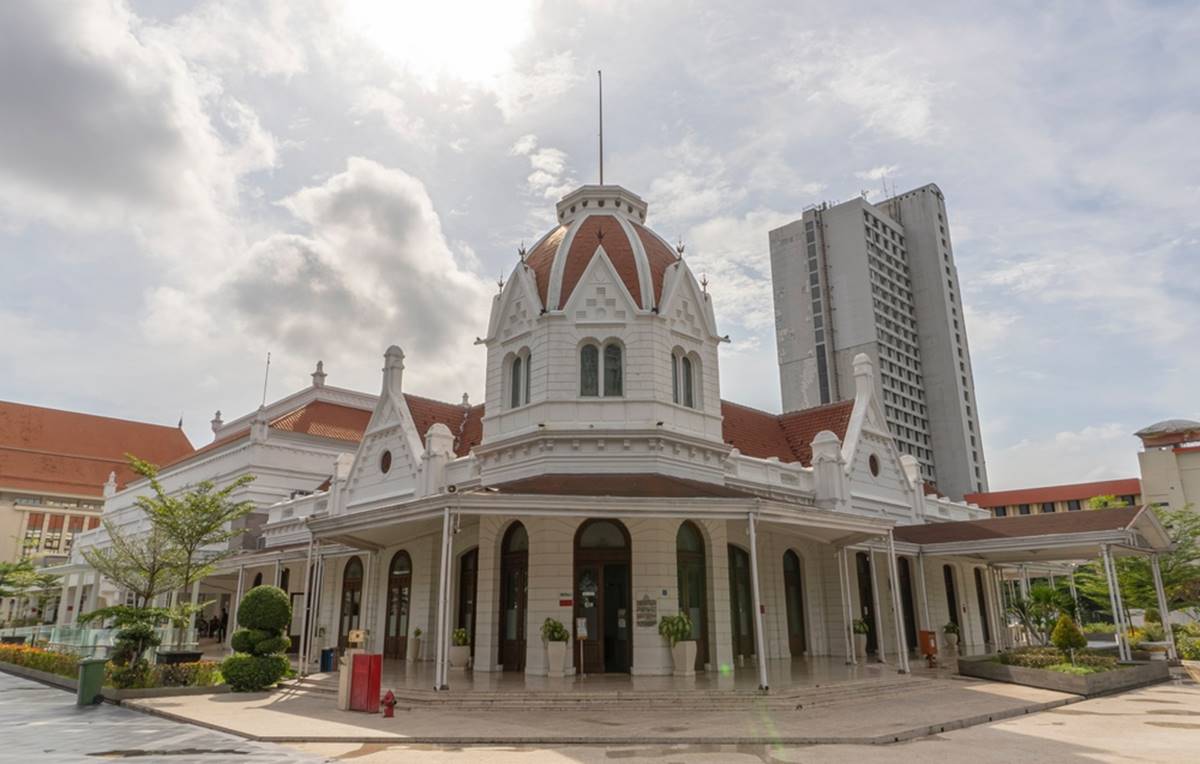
x=848, y=600
x=191, y=630
x=897, y=606
x=991, y=610
x=880, y=653
x=1163, y=613
x=60, y=618
x=1024, y=582
x=276, y=582
x=924, y=595
x=94, y=592
x=77, y=602
x=233, y=606
x=997, y=593
x=365, y=620
x=439, y=682
x=759, y=637
x=314, y=621
x=847, y=631
x=306, y=603
x=1074, y=591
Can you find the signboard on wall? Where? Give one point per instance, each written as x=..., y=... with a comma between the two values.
x=647, y=611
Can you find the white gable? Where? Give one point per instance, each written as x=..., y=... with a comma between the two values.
x=600, y=296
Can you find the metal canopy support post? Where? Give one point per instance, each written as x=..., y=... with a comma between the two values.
x=759, y=637
x=880, y=653
x=1074, y=591
x=1110, y=578
x=191, y=631
x=364, y=621
x=1163, y=613
x=77, y=602
x=60, y=618
x=993, y=609
x=1002, y=635
x=847, y=630
x=897, y=609
x=94, y=592
x=307, y=603
x=1024, y=582
x=237, y=599
x=439, y=671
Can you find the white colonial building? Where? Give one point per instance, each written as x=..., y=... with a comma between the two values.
x=603, y=483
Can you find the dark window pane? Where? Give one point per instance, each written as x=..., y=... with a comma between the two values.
x=589, y=370
x=515, y=383
x=612, y=370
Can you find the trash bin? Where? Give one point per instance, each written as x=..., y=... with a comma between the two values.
x=328, y=659
x=91, y=680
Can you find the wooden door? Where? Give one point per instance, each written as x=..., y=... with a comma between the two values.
x=741, y=604
x=399, y=595
x=468, y=575
x=350, y=613
x=693, y=586
x=793, y=593
x=981, y=596
x=514, y=582
x=866, y=600
x=907, y=602
x=603, y=596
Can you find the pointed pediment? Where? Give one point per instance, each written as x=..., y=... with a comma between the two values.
x=600, y=296
x=686, y=307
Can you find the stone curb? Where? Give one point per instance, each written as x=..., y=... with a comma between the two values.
x=560, y=740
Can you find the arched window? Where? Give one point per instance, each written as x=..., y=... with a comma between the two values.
x=525, y=386
x=257, y=580
x=613, y=377
x=589, y=370
x=675, y=378
x=516, y=380
x=285, y=578
x=689, y=391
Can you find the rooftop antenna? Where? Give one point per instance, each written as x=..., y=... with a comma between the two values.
x=266, y=376
x=600, y=87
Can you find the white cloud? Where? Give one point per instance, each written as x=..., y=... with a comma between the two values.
x=1099, y=452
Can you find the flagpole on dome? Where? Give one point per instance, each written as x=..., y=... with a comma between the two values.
x=600, y=90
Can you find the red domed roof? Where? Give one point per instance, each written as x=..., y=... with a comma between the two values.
x=595, y=217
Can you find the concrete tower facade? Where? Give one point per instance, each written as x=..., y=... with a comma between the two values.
x=880, y=279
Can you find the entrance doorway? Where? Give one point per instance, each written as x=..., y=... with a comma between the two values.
x=866, y=600
x=793, y=594
x=981, y=597
x=603, y=596
x=395, y=633
x=951, y=594
x=693, y=586
x=468, y=576
x=514, y=589
x=352, y=582
x=741, y=604
x=906, y=602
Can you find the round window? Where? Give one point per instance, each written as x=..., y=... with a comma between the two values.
x=873, y=463
x=385, y=461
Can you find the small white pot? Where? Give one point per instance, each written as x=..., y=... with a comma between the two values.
x=413, y=654
x=556, y=658
x=951, y=640
x=860, y=645
x=683, y=654
x=459, y=656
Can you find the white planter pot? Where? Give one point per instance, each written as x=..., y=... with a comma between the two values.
x=556, y=658
x=413, y=654
x=860, y=645
x=459, y=656
x=951, y=640
x=683, y=654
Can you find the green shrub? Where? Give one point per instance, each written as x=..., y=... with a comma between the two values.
x=860, y=626
x=461, y=638
x=676, y=628
x=252, y=673
x=62, y=664
x=132, y=642
x=1099, y=627
x=266, y=608
x=199, y=674
x=1188, y=648
x=554, y=631
x=1046, y=657
x=950, y=628
x=131, y=676
x=1067, y=636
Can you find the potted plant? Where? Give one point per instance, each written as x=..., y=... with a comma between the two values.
x=555, y=635
x=861, y=629
x=460, y=650
x=414, y=646
x=678, y=632
x=950, y=633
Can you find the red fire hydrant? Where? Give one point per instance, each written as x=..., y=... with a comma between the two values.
x=388, y=702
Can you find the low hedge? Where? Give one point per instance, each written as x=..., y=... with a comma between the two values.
x=62, y=664
x=1048, y=657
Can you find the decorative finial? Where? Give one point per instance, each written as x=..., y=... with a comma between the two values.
x=216, y=421
x=521, y=250
x=599, y=233
x=318, y=376
x=680, y=247
x=704, y=282
x=500, y=282
x=466, y=401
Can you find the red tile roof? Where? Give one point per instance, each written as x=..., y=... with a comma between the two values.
x=541, y=260
x=653, y=485
x=787, y=436
x=1018, y=526
x=1080, y=491
x=325, y=420
x=64, y=452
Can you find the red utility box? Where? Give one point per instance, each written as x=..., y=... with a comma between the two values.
x=364, y=682
x=928, y=640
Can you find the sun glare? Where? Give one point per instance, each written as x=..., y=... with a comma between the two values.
x=466, y=41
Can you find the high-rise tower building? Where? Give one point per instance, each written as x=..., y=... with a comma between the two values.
x=880, y=279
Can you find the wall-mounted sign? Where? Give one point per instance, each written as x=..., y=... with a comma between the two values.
x=647, y=611
x=566, y=603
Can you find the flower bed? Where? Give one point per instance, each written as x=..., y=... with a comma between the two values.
x=1049, y=668
x=40, y=659
x=199, y=674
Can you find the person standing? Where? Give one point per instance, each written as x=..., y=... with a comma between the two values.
x=224, y=624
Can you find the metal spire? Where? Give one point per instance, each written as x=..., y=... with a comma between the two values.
x=600, y=86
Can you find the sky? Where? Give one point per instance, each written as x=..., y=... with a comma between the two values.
x=187, y=186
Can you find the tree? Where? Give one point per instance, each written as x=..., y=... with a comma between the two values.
x=1041, y=610
x=14, y=577
x=1180, y=569
x=146, y=564
x=259, y=662
x=1067, y=636
x=192, y=521
x=1106, y=501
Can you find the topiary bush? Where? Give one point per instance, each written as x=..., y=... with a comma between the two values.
x=1067, y=636
x=264, y=613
